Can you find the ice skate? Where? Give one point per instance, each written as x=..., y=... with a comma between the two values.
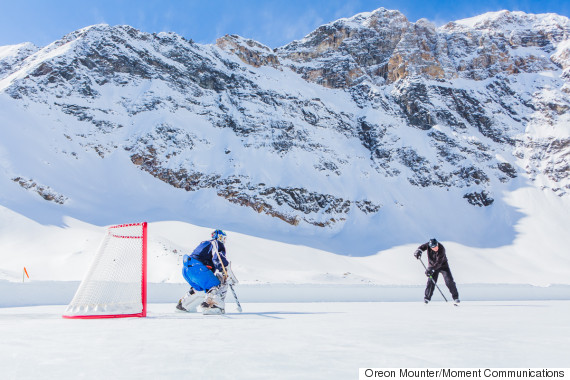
x=179, y=307
x=211, y=309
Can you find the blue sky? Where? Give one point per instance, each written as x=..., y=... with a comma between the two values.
x=271, y=22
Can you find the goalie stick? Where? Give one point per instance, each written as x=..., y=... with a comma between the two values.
x=235, y=296
x=230, y=285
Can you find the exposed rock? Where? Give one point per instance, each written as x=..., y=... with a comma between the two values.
x=375, y=97
x=249, y=51
x=479, y=198
x=45, y=192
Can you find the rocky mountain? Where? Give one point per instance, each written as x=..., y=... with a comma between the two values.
x=370, y=123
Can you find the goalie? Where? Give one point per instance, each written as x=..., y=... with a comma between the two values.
x=208, y=272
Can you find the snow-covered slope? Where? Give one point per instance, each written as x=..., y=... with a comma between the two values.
x=537, y=254
x=351, y=147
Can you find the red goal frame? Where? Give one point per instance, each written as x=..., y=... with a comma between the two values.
x=143, y=278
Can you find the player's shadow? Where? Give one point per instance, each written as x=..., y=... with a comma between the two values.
x=232, y=315
x=276, y=314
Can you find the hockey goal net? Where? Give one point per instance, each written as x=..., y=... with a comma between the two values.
x=115, y=285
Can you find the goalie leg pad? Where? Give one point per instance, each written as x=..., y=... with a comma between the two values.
x=192, y=300
x=214, y=302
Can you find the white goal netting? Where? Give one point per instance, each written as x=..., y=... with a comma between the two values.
x=115, y=285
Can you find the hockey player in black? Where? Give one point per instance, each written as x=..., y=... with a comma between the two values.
x=437, y=263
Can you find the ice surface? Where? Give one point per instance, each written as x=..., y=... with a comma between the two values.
x=284, y=340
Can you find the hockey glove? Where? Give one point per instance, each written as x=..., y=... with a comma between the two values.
x=220, y=277
x=418, y=254
x=429, y=272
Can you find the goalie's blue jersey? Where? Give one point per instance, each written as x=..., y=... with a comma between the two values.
x=206, y=254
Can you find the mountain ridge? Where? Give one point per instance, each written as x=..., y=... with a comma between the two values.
x=358, y=125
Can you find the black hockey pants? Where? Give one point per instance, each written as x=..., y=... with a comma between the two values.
x=448, y=278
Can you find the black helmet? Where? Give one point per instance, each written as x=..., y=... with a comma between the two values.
x=432, y=243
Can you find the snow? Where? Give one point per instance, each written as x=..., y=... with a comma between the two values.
x=9, y=51
x=473, y=21
x=329, y=340
x=66, y=160
x=318, y=303
x=307, y=313
x=531, y=251
x=514, y=21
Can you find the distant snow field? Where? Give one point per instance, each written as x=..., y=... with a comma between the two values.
x=536, y=254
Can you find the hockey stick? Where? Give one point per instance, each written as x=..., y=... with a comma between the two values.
x=235, y=296
x=421, y=261
x=226, y=274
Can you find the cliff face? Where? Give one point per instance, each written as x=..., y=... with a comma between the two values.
x=488, y=73
x=384, y=47
x=343, y=127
